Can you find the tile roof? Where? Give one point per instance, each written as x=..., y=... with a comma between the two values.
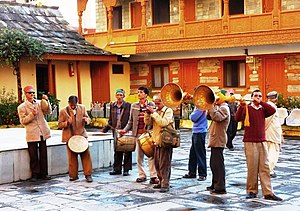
x=46, y=24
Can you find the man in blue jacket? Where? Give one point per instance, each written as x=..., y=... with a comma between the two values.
x=197, y=155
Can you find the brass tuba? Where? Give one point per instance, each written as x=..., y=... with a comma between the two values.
x=172, y=96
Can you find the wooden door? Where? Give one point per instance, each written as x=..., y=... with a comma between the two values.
x=190, y=77
x=274, y=73
x=269, y=4
x=189, y=10
x=136, y=14
x=100, y=81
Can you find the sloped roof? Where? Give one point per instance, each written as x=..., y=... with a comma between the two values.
x=46, y=24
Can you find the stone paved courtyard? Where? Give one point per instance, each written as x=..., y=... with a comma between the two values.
x=123, y=193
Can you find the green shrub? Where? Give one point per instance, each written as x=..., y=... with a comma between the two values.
x=8, y=108
x=289, y=103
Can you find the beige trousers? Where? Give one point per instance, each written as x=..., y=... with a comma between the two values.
x=140, y=164
x=273, y=151
x=258, y=164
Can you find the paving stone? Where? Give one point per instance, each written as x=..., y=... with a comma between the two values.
x=118, y=193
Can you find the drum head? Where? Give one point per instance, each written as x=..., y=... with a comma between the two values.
x=78, y=144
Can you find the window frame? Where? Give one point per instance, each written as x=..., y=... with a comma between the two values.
x=237, y=63
x=161, y=66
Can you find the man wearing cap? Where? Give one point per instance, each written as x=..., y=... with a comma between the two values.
x=72, y=120
x=118, y=118
x=161, y=117
x=37, y=132
x=137, y=125
x=220, y=115
x=273, y=133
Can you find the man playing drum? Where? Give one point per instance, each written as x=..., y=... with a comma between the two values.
x=118, y=118
x=161, y=117
x=72, y=120
x=137, y=125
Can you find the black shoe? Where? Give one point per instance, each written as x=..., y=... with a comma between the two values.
x=251, y=195
x=73, y=178
x=115, y=172
x=272, y=197
x=210, y=188
x=45, y=177
x=218, y=191
x=141, y=179
x=125, y=173
x=33, y=179
x=89, y=178
x=274, y=175
x=154, y=180
x=164, y=190
x=231, y=149
x=201, y=178
x=188, y=176
x=157, y=186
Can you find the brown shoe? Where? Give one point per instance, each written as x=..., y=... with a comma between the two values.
x=89, y=178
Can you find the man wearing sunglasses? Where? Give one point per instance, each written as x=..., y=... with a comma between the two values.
x=256, y=147
x=37, y=132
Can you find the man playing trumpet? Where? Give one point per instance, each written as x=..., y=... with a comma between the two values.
x=37, y=132
x=256, y=147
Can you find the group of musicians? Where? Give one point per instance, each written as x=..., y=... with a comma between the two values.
x=140, y=117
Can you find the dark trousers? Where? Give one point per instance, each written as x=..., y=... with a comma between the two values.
x=38, y=158
x=85, y=161
x=162, y=162
x=218, y=168
x=118, y=159
x=229, y=144
x=197, y=155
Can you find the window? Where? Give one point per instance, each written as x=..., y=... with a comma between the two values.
x=161, y=11
x=236, y=7
x=235, y=73
x=160, y=75
x=117, y=69
x=117, y=17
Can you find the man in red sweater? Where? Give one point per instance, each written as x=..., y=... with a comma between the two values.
x=256, y=148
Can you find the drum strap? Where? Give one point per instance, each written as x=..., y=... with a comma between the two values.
x=71, y=127
x=120, y=117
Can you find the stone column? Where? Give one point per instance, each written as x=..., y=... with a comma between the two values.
x=225, y=17
x=81, y=6
x=275, y=14
x=144, y=18
x=181, y=18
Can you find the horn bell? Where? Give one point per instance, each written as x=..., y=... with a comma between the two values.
x=203, y=97
x=171, y=95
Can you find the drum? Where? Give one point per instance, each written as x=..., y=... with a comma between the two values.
x=78, y=144
x=125, y=143
x=146, y=143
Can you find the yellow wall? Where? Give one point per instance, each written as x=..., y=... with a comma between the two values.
x=65, y=85
x=7, y=79
x=119, y=81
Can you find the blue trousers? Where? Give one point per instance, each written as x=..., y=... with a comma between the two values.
x=197, y=157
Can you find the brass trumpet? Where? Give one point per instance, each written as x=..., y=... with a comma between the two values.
x=172, y=96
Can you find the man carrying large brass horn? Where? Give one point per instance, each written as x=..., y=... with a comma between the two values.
x=161, y=117
x=220, y=115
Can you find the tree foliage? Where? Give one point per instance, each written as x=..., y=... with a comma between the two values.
x=15, y=44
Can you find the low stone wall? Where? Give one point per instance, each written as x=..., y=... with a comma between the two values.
x=14, y=158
